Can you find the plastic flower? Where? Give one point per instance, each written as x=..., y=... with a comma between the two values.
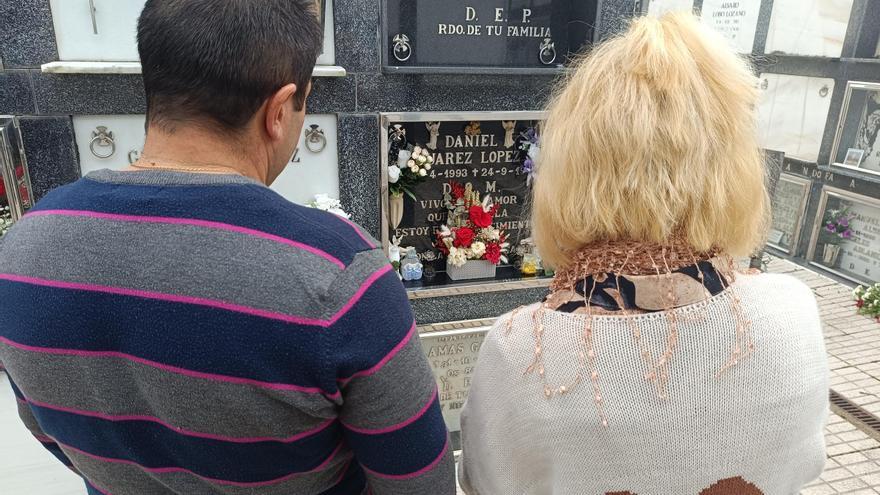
x=478, y=249
x=410, y=163
x=464, y=237
x=457, y=257
x=393, y=174
x=479, y=217
x=403, y=158
x=423, y=172
x=417, y=150
x=493, y=253
x=846, y=234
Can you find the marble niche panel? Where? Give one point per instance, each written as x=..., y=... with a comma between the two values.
x=814, y=28
x=736, y=21
x=314, y=169
x=657, y=8
x=792, y=114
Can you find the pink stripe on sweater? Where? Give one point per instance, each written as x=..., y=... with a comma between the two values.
x=200, y=301
x=415, y=474
x=374, y=369
x=172, y=369
x=398, y=426
x=164, y=470
x=152, y=419
x=190, y=221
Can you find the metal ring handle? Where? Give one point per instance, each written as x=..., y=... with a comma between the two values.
x=101, y=139
x=316, y=141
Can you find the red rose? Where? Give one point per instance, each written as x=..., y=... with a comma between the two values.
x=860, y=303
x=479, y=217
x=464, y=237
x=493, y=253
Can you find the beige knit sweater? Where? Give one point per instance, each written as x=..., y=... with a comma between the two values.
x=755, y=429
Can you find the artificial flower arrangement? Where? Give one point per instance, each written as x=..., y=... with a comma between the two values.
x=868, y=300
x=531, y=148
x=412, y=168
x=469, y=234
x=837, y=226
x=324, y=202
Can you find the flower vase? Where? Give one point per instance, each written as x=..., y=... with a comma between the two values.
x=395, y=210
x=830, y=255
x=471, y=270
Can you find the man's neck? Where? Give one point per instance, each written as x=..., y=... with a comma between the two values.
x=193, y=148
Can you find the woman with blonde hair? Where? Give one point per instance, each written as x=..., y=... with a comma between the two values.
x=653, y=367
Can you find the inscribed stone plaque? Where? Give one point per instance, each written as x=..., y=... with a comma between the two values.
x=735, y=20
x=856, y=254
x=789, y=202
x=452, y=356
x=419, y=35
x=657, y=8
x=483, y=153
x=808, y=27
x=792, y=113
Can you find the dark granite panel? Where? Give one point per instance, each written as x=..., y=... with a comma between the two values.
x=27, y=37
x=332, y=94
x=357, y=34
x=471, y=306
x=434, y=92
x=831, y=121
x=16, y=95
x=51, y=152
x=800, y=66
x=855, y=27
x=867, y=71
x=763, y=26
x=615, y=16
x=89, y=94
x=359, y=186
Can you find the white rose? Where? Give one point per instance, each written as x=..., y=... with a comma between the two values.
x=403, y=157
x=417, y=150
x=430, y=159
x=457, y=257
x=414, y=169
x=534, y=151
x=428, y=166
x=410, y=163
x=423, y=173
x=393, y=174
x=339, y=212
x=478, y=249
x=421, y=159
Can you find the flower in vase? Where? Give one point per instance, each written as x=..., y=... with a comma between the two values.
x=457, y=257
x=403, y=158
x=493, y=253
x=846, y=234
x=393, y=174
x=464, y=237
x=478, y=249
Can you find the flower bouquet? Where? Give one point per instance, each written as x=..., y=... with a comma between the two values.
x=324, y=202
x=868, y=300
x=411, y=169
x=837, y=229
x=531, y=149
x=473, y=247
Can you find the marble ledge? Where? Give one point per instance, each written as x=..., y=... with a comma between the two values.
x=89, y=67
x=479, y=288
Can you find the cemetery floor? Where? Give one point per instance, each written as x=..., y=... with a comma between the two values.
x=853, y=465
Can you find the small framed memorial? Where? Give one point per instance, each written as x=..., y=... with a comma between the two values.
x=789, y=204
x=485, y=36
x=455, y=188
x=857, y=142
x=16, y=192
x=846, y=235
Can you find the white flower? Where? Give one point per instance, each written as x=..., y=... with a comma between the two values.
x=422, y=159
x=423, y=172
x=534, y=152
x=457, y=257
x=403, y=157
x=325, y=203
x=427, y=166
x=417, y=150
x=393, y=174
x=414, y=169
x=410, y=163
x=430, y=159
x=339, y=212
x=478, y=249
x=490, y=234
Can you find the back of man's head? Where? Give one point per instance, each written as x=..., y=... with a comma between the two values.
x=215, y=62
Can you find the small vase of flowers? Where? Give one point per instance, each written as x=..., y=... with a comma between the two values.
x=837, y=230
x=868, y=300
x=411, y=168
x=472, y=246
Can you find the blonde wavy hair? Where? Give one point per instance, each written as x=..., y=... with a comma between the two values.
x=652, y=135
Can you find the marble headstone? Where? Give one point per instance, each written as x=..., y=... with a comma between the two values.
x=808, y=27
x=736, y=21
x=657, y=8
x=792, y=114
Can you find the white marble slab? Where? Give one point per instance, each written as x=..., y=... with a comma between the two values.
x=793, y=112
x=308, y=174
x=92, y=67
x=657, y=8
x=735, y=20
x=808, y=27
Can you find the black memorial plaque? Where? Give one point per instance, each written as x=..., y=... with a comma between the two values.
x=484, y=35
x=483, y=153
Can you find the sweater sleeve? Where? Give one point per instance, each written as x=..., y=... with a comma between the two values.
x=390, y=412
x=30, y=422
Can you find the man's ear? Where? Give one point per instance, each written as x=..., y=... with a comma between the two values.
x=276, y=108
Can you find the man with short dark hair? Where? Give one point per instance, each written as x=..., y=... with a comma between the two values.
x=179, y=328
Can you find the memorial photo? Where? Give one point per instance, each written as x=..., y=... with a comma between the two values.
x=857, y=143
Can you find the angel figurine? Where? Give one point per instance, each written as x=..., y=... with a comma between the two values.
x=434, y=129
